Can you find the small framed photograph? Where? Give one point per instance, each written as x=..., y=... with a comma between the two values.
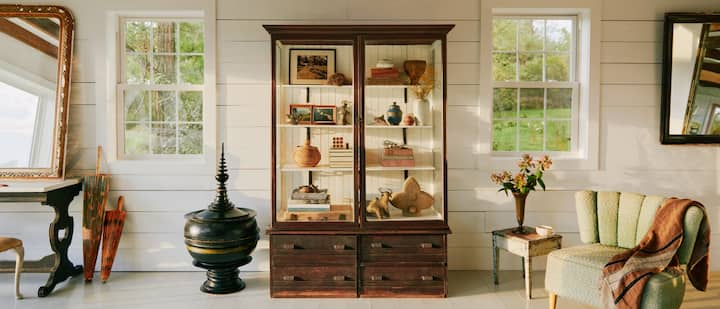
x=311, y=66
x=324, y=114
x=302, y=112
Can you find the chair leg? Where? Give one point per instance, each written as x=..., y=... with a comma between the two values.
x=20, y=251
x=553, y=300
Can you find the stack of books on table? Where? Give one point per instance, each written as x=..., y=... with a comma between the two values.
x=340, y=158
x=301, y=206
x=384, y=76
x=397, y=157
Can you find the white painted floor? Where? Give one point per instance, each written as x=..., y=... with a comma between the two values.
x=179, y=290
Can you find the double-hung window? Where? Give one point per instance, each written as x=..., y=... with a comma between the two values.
x=535, y=89
x=161, y=87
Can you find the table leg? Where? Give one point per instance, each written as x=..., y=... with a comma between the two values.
x=496, y=256
x=522, y=266
x=528, y=282
x=60, y=200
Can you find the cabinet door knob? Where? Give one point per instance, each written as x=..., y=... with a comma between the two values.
x=427, y=278
x=376, y=277
x=288, y=278
x=339, y=247
x=289, y=246
x=376, y=245
x=339, y=278
x=426, y=245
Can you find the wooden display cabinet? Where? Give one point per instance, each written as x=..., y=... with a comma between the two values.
x=323, y=240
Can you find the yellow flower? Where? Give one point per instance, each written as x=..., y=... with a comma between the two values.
x=520, y=180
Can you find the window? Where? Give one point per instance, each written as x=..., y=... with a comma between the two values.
x=161, y=88
x=535, y=88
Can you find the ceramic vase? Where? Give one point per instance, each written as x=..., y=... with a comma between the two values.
x=394, y=114
x=306, y=155
x=422, y=112
x=520, y=210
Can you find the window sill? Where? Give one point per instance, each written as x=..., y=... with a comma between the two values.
x=565, y=161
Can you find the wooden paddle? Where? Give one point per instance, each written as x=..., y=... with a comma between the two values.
x=95, y=195
x=112, y=230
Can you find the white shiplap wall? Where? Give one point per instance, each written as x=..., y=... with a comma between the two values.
x=631, y=157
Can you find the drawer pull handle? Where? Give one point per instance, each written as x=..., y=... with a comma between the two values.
x=288, y=278
x=376, y=245
x=427, y=278
x=339, y=278
x=339, y=247
x=426, y=245
x=289, y=246
x=376, y=278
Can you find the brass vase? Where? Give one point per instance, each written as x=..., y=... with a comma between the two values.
x=306, y=155
x=520, y=211
x=415, y=69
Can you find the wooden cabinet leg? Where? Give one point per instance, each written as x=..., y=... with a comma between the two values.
x=552, y=300
x=528, y=281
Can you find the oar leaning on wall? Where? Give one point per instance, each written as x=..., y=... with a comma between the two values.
x=95, y=196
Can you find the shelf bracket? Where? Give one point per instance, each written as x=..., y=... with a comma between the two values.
x=307, y=94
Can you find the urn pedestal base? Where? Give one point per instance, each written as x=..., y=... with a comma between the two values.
x=222, y=278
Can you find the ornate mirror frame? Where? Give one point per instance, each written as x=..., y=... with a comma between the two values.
x=57, y=165
x=667, y=76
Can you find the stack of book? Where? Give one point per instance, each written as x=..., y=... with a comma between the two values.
x=340, y=157
x=309, y=201
x=397, y=157
x=384, y=76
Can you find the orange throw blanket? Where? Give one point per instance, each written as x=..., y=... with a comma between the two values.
x=624, y=277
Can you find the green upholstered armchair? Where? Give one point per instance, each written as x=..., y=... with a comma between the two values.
x=610, y=223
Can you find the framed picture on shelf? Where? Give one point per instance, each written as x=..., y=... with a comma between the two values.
x=311, y=66
x=302, y=112
x=324, y=114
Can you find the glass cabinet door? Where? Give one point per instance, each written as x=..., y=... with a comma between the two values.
x=314, y=132
x=403, y=106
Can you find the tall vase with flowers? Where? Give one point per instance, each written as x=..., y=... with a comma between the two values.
x=422, y=90
x=520, y=184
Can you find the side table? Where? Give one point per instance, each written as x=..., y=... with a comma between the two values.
x=527, y=245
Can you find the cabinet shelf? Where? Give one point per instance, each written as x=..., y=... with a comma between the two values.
x=397, y=127
x=324, y=126
x=315, y=86
x=319, y=168
x=380, y=168
x=396, y=215
x=388, y=86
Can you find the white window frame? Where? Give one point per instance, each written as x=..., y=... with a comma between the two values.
x=109, y=102
x=588, y=12
x=177, y=87
x=572, y=83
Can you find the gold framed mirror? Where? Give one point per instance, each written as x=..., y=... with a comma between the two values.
x=34, y=89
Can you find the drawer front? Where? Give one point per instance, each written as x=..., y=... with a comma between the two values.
x=297, y=250
x=392, y=281
x=403, y=248
x=319, y=281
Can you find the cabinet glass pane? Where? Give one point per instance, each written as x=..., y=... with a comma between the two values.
x=314, y=133
x=403, y=112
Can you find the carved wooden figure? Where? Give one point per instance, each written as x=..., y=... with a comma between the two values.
x=412, y=200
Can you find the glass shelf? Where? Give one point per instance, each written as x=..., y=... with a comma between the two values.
x=315, y=86
x=319, y=168
x=322, y=126
x=397, y=127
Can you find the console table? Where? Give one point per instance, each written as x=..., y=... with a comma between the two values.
x=58, y=195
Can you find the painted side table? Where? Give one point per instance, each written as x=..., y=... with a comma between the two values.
x=527, y=246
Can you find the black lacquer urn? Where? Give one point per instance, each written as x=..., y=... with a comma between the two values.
x=221, y=238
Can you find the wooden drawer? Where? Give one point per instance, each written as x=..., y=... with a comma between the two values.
x=297, y=250
x=320, y=281
x=406, y=281
x=403, y=248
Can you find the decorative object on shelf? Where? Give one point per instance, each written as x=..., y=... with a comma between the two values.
x=291, y=118
x=522, y=183
x=380, y=120
x=385, y=64
x=323, y=114
x=385, y=73
x=306, y=155
x=95, y=194
x=340, y=155
x=112, y=231
x=338, y=142
x=335, y=213
x=409, y=119
x=394, y=114
x=412, y=201
x=414, y=69
x=395, y=155
x=301, y=113
x=380, y=206
x=221, y=238
x=311, y=66
x=344, y=115
x=337, y=79
x=422, y=90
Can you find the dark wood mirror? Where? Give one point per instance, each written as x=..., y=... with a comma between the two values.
x=691, y=79
x=34, y=85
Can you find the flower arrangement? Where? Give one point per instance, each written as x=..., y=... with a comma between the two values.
x=530, y=175
x=425, y=84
